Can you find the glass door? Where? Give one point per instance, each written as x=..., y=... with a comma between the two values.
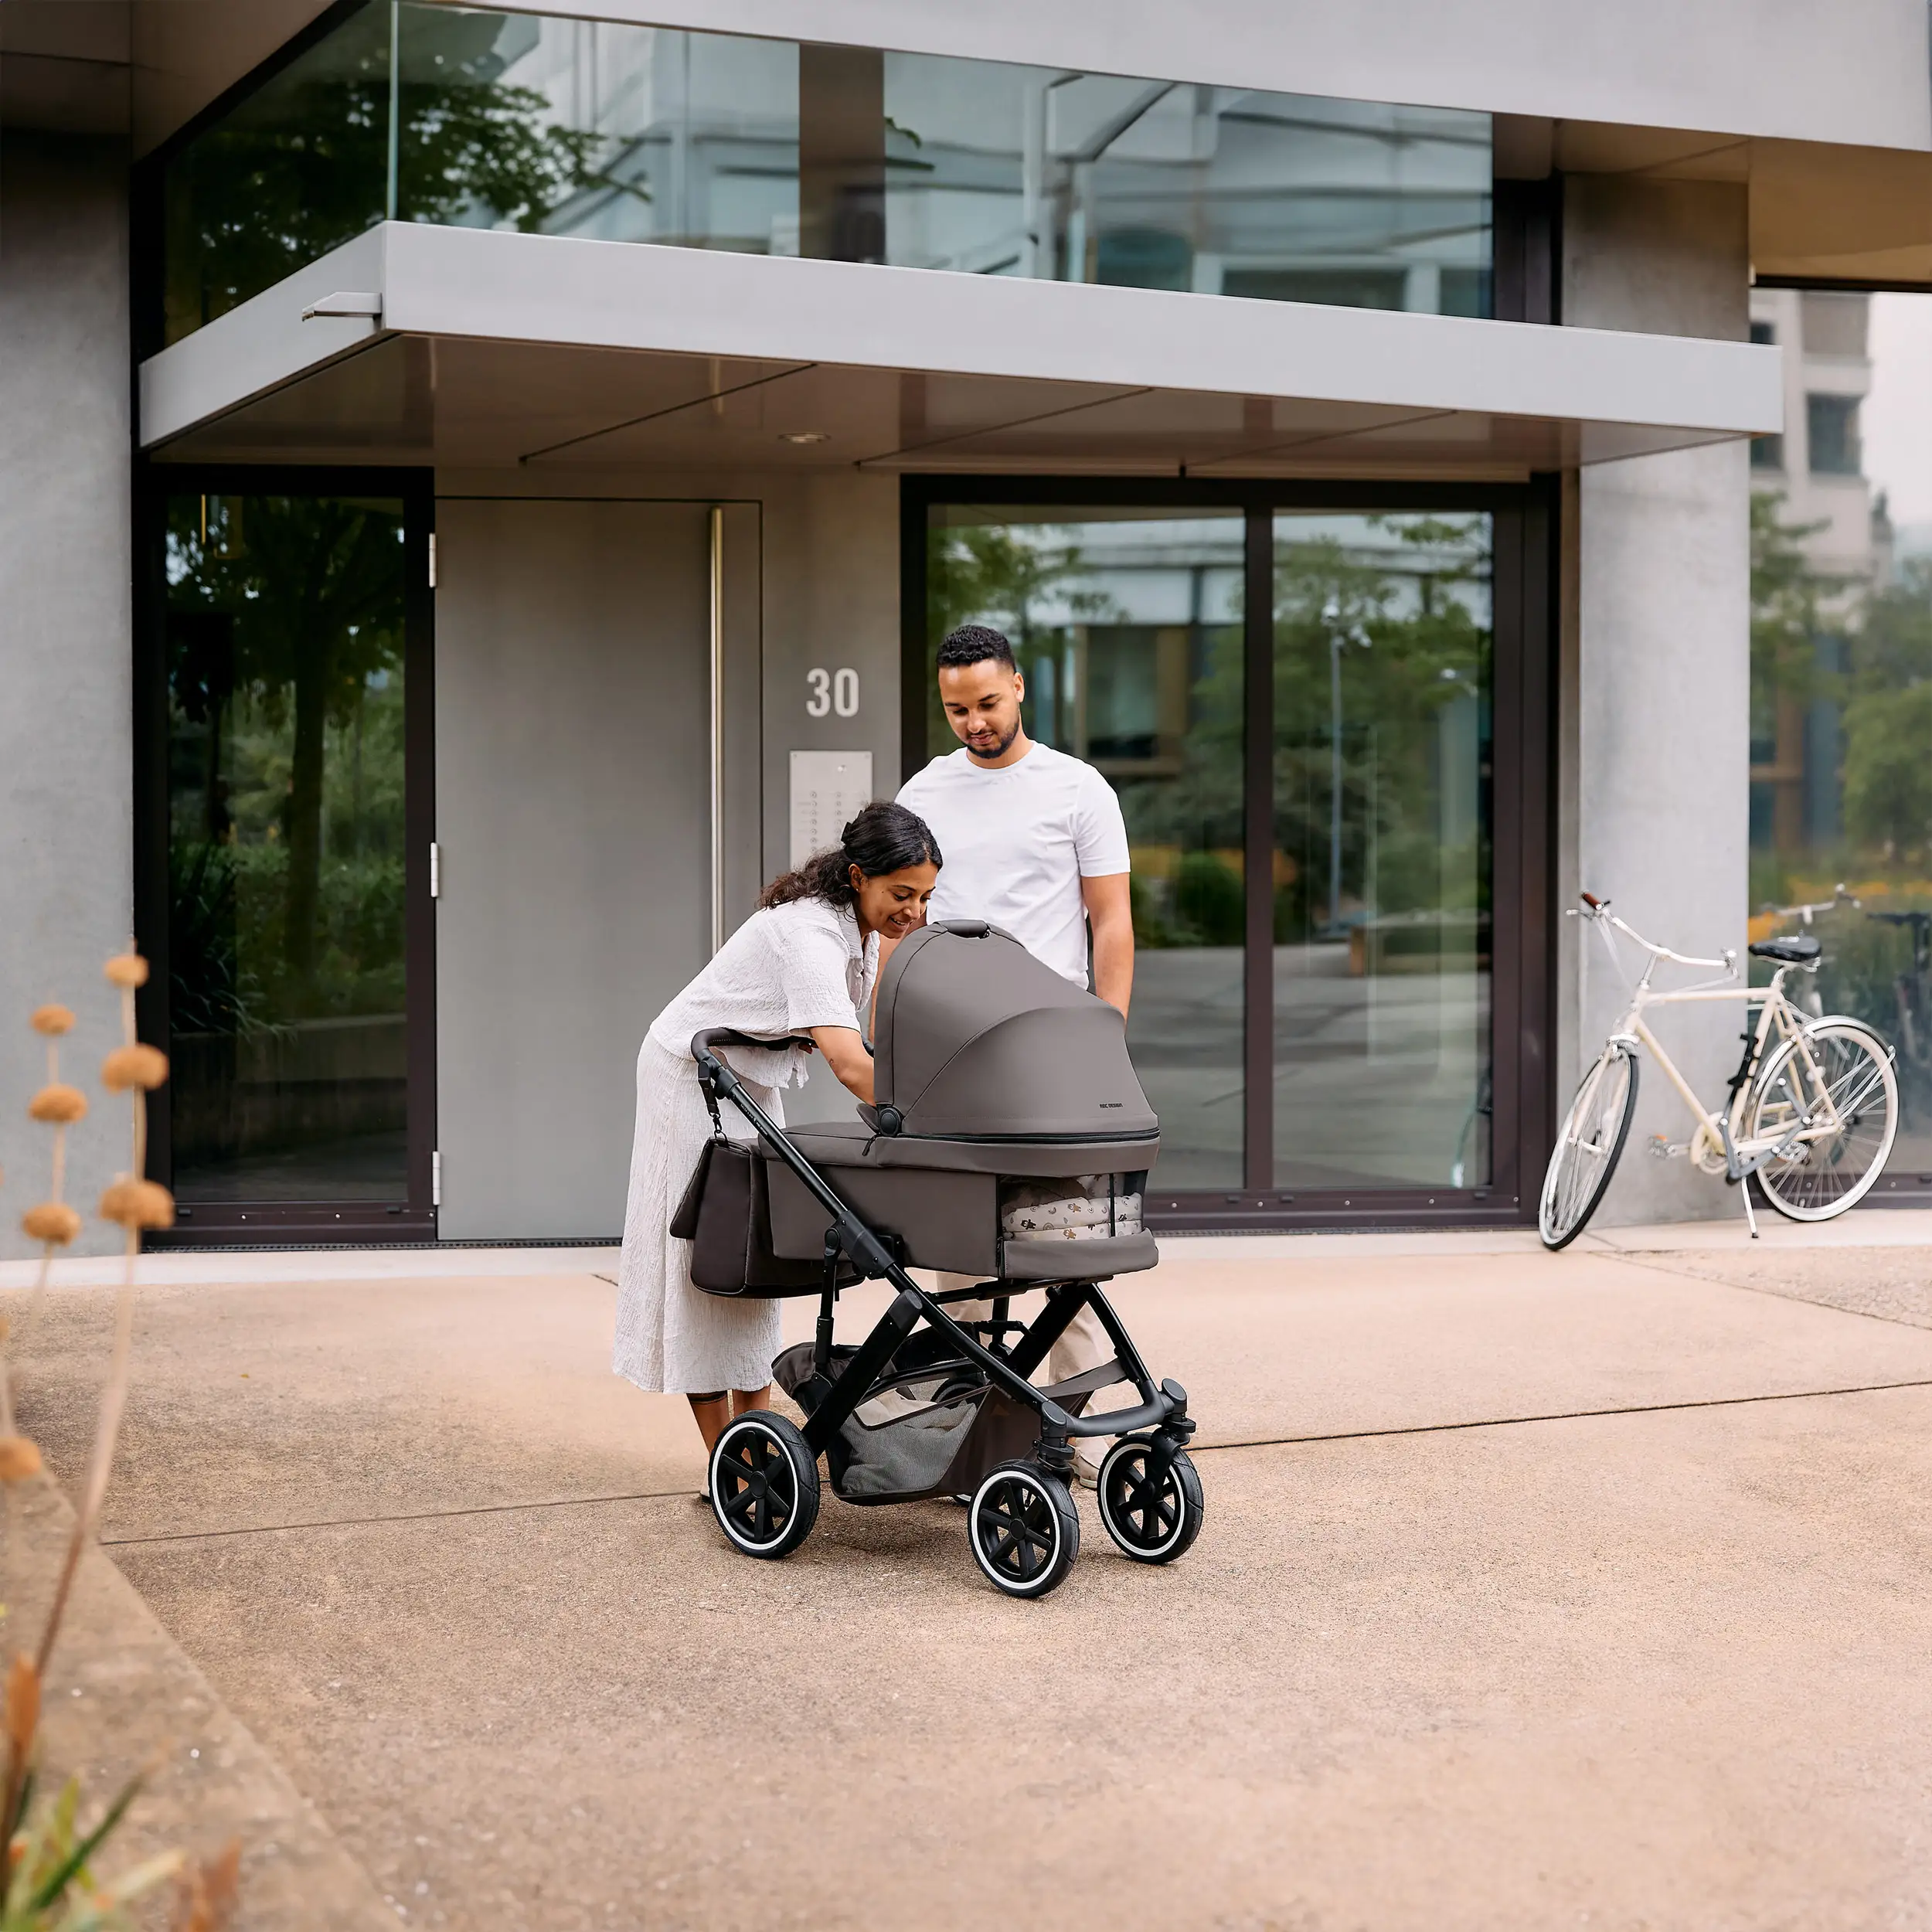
x=1326, y=710
x=295, y=996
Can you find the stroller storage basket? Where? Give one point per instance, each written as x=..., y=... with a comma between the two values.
x=929, y=1433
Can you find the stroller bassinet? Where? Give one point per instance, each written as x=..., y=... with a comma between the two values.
x=1009, y=1140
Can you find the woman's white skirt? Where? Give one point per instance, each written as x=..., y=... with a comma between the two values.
x=671, y=1336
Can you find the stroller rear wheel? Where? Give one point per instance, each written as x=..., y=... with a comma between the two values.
x=1024, y=1529
x=1151, y=1506
x=764, y=1485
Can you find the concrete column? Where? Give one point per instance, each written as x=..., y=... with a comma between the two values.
x=66, y=784
x=1655, y=736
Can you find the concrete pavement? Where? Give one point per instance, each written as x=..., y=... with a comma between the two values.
x=1535, y=1590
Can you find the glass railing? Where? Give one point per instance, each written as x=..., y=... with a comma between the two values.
x=458, y=116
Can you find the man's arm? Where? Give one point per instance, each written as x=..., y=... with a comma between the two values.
x=1110, y=907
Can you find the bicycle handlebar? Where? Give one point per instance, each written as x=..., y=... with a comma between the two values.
x=1599, y=909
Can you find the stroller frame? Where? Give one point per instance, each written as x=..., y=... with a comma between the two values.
x=1162, y=1407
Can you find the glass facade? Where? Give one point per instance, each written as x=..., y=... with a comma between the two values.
x=1130, y=628
x=1382, y=852
x=288, y=981
x=1841, y=775
x=551, y=125
x=481, y=119
x=999, y=170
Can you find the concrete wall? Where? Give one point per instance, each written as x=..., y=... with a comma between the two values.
x=1850, y=70
x=66, y=881
x=831, y=599
x=1655, y=733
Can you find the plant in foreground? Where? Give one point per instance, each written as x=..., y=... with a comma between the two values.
x=48, y=1884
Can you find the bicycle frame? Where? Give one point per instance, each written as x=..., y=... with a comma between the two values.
x=1718, y=1144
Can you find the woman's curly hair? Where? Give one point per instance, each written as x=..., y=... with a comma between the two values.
x=884, y=838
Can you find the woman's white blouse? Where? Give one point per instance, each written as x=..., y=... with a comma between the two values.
x=786, y=970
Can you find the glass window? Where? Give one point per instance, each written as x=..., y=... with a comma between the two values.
x=1006, y=170
x=562, y=126
x=1126, y=624
x=548, y=125
x=297, y=169
x=1841, y=755
x=553, y=125
x=1381, y=856
x=1831, y=434
x=287, y=994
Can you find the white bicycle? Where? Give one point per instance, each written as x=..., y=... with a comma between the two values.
x=1813, y=1109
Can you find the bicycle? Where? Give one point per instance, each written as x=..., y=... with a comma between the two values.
x=1803, y=1116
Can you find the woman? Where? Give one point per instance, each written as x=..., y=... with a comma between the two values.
x=804, y=963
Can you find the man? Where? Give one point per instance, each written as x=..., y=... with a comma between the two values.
x=1035, y=843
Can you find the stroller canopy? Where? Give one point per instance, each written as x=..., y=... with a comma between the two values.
x=976, y=1039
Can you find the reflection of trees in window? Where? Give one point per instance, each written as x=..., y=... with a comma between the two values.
x=1410, y=646
x=303, y=166
x=285, y=645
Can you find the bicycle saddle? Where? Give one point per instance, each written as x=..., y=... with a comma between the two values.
x=1795, y=949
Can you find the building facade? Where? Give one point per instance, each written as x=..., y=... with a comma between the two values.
x=483, y=488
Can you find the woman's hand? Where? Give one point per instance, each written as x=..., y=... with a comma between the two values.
x=844, y=1048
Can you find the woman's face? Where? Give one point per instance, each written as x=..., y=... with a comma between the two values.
x=894, y=903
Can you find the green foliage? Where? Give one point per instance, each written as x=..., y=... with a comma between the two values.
x=51, y=1886
x=303, y=167
x=1402, y=667
x=285, y=645
x=1888, y=721
x=1788, y=595
x=1209, y=907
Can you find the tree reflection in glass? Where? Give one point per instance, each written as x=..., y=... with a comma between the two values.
x=287, y=979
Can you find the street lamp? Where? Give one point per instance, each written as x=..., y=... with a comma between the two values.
x=1339, y=639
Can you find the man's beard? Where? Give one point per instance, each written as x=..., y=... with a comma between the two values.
x=998, y=750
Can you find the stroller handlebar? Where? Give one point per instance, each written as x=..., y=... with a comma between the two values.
x=705, y=1042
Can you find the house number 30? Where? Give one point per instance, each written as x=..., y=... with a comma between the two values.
x=832, y=691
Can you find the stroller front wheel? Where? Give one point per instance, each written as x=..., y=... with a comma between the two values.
x=1024, y=1529
x=1151, y=1506
x=764, y=1485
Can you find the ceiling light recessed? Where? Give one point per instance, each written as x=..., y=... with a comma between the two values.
x=805, y=436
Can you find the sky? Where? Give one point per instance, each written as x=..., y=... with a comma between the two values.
x=1896, y=420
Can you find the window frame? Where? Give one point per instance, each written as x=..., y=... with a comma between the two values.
x=1522, y=987
x=209, y=1224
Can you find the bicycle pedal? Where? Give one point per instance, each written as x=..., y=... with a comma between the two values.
x=1663, y=1148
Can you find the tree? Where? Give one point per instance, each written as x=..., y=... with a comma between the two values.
x=305, y=595
x=303, y=166
x=1888, y=721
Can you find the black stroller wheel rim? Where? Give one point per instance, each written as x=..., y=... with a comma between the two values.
x=754, y=1489
x=1016, y=1531
x=1140, y=1506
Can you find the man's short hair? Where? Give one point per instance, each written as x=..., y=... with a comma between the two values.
x=973, y=644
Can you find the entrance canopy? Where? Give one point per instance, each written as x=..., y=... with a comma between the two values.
x=476, y=348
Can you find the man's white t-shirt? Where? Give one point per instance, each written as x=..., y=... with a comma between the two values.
x=1017, y=841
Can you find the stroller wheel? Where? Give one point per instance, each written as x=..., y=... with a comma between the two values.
x=764, y=1485
x=1024, y=1529
x=1153, y=1514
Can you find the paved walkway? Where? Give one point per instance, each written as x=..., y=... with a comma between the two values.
x=1584, y=1589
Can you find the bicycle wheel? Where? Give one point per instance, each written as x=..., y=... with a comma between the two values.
x=1840, y=1073
x=1591, y=1138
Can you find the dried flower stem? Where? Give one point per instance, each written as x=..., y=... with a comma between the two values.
x=114, y=1395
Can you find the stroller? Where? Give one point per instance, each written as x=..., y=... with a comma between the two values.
x=1009, y=1139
